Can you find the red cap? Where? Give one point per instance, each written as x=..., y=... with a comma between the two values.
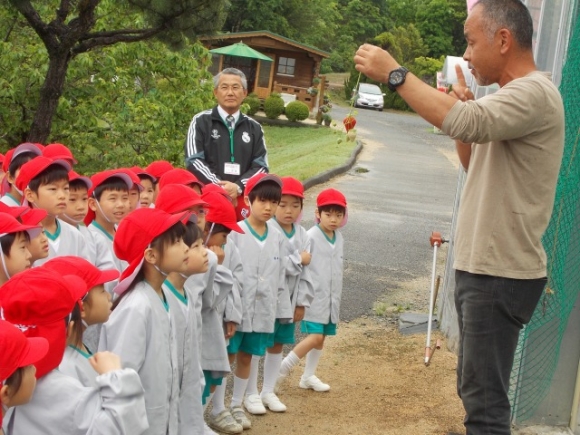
x=260, y=178
x=7, y=159
x=13, y=211
x=221, y=211
x=142, y=173
x=175, y=198
x=158, y=168
x=38, y=301
x=72, y=176
x=58, y=151
x=215, y=188
x=33, y=216
x=178, y=176
x=1, y=158
x=291, y=186
x=9, y=225
x=330, y=197
x=98, y=179
x=26, y=147
x=135, y=233
x=17, y=350
x=133, y=176
x=80, y=267
x=34, y=167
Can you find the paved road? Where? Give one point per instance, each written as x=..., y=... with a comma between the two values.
x=407, y=193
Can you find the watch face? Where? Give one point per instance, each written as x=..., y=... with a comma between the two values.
x=396, y=77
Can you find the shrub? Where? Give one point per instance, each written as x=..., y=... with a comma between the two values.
x=253, y=102
x=297, y=111
x=274, y=106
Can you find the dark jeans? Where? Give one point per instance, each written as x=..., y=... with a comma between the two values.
x=491, y=311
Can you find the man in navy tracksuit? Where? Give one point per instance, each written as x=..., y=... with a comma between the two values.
x=224, y=146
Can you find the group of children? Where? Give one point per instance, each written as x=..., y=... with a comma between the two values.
x=127, y=296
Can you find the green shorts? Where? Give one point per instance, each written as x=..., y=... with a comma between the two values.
x=283, y=333
x=209, y=382
x=317, y=328
x=253, y=343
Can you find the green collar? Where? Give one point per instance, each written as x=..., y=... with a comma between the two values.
x=82, y=352
x=255, y=234
x=56, y=234
x=12, y=198
x=291, y=233
x=102, y=230
x=181, y=297
x=331, y=241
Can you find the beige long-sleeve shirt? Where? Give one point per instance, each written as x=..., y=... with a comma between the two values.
x=518, y=141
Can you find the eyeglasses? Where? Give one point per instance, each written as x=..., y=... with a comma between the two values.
x=234, y=88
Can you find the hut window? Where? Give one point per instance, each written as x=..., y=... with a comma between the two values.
x=286, y=66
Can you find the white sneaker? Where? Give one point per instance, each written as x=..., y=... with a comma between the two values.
x=271, y=401
x=241, y=418
x=254, y=405
x=313, y=383
x=224, y=422
x=279, y=382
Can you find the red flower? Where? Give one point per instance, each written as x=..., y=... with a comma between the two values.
x=349, y=122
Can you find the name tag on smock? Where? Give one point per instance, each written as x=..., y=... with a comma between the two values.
x=232, y=169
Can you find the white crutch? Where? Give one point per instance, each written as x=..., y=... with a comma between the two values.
x=436, y=241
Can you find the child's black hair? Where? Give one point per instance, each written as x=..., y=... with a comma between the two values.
x=8, y=240
x=192, y=233
x=266, y=191
x=147, y=177
x=114, y=183
x=75, y=317
x=77, y=184
x=14, y=381
x=332, y=208
x=159, y=243
x=52, y=174
x=17, y=162
x=217, y=228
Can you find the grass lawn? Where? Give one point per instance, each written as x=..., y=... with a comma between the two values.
x=303, y=152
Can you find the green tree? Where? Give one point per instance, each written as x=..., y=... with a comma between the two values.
x=68, y=29
x=440, y=23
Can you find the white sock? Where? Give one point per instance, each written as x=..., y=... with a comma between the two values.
x=312, y=359
x=271, y=371
x=253, y=379
x=207, y=401
x=290, y=361
x=240, y=386
x=219, y=398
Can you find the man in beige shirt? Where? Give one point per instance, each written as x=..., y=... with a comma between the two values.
x=511, y=144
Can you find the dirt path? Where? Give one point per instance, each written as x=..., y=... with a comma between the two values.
x=379, y=385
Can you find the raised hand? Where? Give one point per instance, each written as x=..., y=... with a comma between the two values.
x=460, y=89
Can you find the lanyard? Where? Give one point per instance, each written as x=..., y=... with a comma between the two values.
x=229, y=121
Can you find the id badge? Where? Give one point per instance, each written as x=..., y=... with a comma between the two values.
x=232, y=169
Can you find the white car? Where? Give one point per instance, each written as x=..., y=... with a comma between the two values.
x=369, y=95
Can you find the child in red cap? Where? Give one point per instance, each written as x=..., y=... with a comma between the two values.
x=147, y=181
x=157, y=169
x=140, y=327
x=93, y=309
x=45, y=185
x=13, y=161
x=326, y=268
x=108, y=205
x=40, y=301
x=182, y=305
x=38, y=246
x=17, y=372
x=14, y=240
x=221, y=220
x=180, y=176
x=296, y=255
x=261, y=247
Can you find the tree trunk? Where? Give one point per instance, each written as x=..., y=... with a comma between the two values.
x=50, y=93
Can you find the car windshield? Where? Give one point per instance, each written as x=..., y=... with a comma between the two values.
x=370, y=89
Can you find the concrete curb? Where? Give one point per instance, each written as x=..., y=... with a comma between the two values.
x=327, y=175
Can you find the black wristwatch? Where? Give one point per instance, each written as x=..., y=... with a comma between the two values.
x=397, y=78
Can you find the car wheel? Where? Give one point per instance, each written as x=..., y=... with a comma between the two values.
x=381, y=109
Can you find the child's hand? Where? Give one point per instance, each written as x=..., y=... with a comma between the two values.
x=298, y=314
x=217, y=250
x=306, y=257
x=230, y=329
x=105, y=362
